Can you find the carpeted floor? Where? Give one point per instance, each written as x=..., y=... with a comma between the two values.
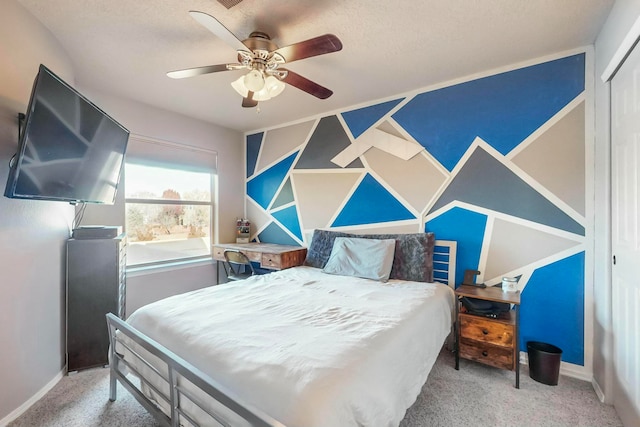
x=476, y=395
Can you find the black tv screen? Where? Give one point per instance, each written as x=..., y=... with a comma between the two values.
x=70, y=150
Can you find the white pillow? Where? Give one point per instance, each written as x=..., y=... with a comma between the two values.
x=367, y=258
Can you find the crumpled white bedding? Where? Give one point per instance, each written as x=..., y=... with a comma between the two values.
x=308, y=348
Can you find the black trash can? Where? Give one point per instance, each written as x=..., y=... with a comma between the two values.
x=544, y=362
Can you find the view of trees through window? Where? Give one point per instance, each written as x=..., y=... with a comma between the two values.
x=168, y=214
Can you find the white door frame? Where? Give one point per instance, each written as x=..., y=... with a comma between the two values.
x=624, y=50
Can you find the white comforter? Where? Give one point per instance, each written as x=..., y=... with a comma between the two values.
x=308, y=348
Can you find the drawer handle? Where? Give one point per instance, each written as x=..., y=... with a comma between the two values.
x=485, y=354
x=485, y=332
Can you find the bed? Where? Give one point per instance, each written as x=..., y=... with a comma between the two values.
x=304, y=346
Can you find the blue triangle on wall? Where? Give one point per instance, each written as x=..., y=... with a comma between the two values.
x=254, y=142
x=503, y=109
x=289, y=218
x=361, y=119
x=371, y=203
x=465, y=227
x=263, y=187
x=556, y=288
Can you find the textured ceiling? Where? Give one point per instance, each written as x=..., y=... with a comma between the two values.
x=125, y=47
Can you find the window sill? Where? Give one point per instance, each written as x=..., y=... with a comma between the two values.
x=172, y=266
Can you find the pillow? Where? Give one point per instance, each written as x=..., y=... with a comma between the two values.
x=413, y=259
x=366, y=258
x=321, y=246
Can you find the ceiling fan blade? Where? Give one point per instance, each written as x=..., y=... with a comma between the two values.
x=316, y=46
x=306, y=85
x=249, y=102
x=190, y=72
x=213, y=25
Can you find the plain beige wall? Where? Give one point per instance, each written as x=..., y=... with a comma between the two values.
x=32, y=233
x=144, y=120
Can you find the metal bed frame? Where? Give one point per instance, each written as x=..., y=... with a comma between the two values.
x=180, y=372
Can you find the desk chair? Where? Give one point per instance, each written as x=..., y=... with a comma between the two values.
x=237, y=266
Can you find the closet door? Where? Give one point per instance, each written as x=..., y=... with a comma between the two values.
x=625, y=179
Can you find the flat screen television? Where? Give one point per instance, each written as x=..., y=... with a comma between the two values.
x=69, y=149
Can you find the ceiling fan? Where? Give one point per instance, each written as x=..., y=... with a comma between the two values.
x=263, y=59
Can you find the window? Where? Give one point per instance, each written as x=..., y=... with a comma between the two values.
x=168, y=213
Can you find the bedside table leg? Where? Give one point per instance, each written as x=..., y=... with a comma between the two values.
x=456, y=347
x=517, y=345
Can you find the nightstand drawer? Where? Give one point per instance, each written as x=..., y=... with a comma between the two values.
x=490, y=355
x=486, y=330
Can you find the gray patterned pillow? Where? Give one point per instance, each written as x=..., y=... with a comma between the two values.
x=321, y=245
x=413, y=258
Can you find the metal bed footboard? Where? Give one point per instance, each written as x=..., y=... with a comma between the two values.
x=178, y=370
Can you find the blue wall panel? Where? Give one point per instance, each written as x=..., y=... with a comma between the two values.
x=289, y=218
x=552, y=308
x=263, y=187
x=361, y=119
x=465, y=227
x=502, y=109
x=371, y=203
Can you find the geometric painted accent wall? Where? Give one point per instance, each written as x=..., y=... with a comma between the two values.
x=496, y=163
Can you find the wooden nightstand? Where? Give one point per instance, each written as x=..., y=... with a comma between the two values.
x=486, y=340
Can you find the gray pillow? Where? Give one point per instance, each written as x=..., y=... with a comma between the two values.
x=413, y=258
x=321, y=246
x=366, y=258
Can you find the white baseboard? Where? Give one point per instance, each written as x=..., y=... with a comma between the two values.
x=576, y=371
x=598, y=390
x=26, y=405
x=568, y=369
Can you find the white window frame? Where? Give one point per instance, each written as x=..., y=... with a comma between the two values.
x=182, y=166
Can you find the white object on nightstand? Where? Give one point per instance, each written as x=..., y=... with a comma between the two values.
x=509, y=284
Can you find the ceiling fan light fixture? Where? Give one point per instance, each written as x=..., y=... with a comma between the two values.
x=239, y=87
x=254, y=81
x=272, y=88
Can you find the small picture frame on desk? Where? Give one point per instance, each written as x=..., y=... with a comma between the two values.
x=243, y=230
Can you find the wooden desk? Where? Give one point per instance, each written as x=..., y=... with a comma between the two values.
x=269, y=255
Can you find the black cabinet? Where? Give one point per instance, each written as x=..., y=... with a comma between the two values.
x=96, y=285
